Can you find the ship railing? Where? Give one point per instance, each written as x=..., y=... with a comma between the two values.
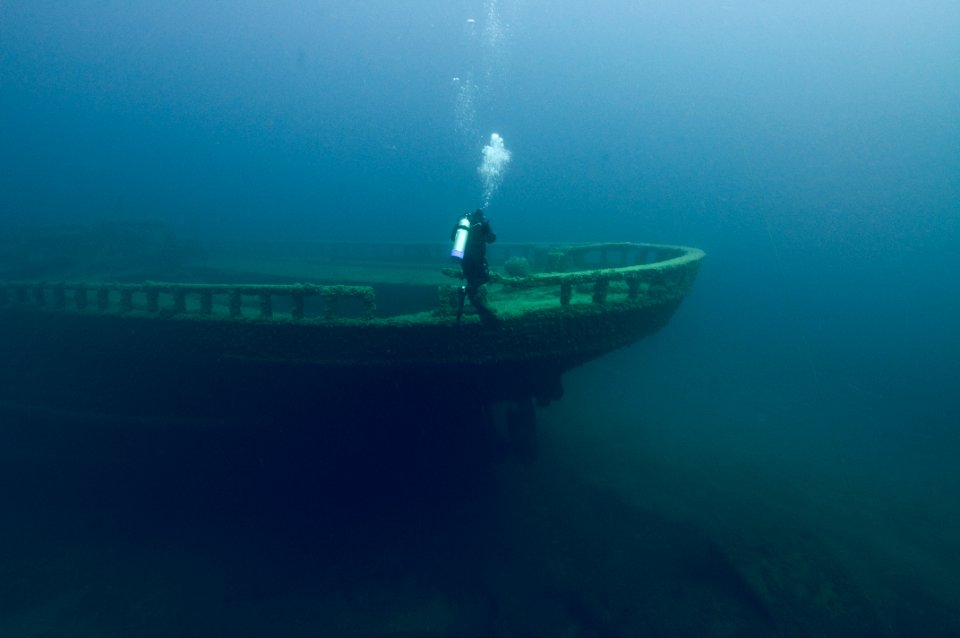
x=670, y=276
x=593, y=256
x=296, y=301
x=664, y=272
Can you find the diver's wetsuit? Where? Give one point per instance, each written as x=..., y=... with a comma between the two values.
x=475, y=268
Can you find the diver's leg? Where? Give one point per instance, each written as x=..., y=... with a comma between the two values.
x=487, y=317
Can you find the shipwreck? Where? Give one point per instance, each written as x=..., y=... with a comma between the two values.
x=323, y=332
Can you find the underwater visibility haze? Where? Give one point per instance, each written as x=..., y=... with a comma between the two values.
x=780, y=459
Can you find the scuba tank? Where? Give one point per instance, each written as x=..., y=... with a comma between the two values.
x=460, y=238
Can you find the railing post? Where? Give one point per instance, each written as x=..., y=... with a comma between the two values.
x=126, y=300
x=38, y=296
x=21, y=294
x=633, y=287
x=566, y=291
x=331, y=306
x=235, y=303
x=266, y=305
x=369, y=305
x=296, y=308
x=600, y=288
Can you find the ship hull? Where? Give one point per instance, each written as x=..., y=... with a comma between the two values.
x=368, y=335
x=140, y=365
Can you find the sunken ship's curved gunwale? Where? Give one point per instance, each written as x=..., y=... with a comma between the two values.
x=94, y=346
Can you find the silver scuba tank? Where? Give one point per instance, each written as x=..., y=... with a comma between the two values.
x=460, y=239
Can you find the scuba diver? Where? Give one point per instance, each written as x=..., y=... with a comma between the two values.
x=470, y=237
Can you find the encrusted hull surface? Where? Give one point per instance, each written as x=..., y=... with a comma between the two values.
x=143, y=365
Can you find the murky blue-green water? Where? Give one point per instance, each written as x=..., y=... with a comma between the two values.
x=779, y=460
